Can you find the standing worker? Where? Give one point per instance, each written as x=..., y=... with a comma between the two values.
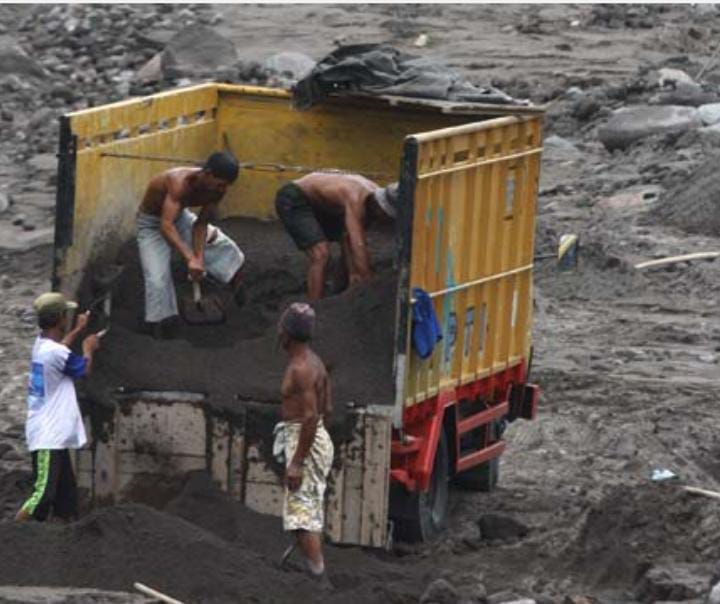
x=302, y=441
x=164, y=222
x=319, y=208
x=54, y=424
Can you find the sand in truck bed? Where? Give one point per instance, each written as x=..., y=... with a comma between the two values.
x=241, y=360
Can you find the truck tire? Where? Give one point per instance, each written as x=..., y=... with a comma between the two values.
x=480, y=478
x=419, y=517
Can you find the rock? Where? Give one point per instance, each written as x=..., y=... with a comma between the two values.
x=28, y=226
x=714, y=597
x=4, y=202
x=671, y=77
x=152, y=71
x=40, y=118
x=690, y=95
x=558, y=145
x=495, y=526
x=293, y=64
x=439, y=591
x=630, y=124
x=585, y=108
x=474, y=592
x=504, y=597
x=673, y=582
x=421, y=41
x=19, y=220
x=6, y=282
x=44, y=162
x=470, y=536
x=14, y=60
x=710, y=113
x=198, y=49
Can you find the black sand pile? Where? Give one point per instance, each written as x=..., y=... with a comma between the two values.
x=113, y=547
x=628, y=528
x=241, y=359
x=203, y=548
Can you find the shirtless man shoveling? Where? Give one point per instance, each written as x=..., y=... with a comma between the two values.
x=164, y=223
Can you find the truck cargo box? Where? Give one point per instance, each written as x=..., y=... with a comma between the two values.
x=468, y=179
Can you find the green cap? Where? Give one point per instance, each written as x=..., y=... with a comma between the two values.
x=53, y=303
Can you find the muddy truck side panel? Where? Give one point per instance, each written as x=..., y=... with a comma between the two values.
x=468, y=183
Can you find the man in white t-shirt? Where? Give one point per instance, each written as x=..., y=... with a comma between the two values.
x=54, y=424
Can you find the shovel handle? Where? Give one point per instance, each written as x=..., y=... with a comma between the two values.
x=197, y=293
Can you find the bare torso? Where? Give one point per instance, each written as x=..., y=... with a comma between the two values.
x=176, y=184
x=332, y=192
x=305, y=388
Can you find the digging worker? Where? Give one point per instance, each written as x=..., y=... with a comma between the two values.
x=54, y=425
x=164, y=222
x=319, y=208
x=301, y=441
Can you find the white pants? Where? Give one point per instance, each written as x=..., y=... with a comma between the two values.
x=223, y=259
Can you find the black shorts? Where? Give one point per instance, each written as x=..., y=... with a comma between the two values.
x=305, y=225
x=55, y=487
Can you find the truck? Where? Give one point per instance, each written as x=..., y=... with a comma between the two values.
x=468, y=179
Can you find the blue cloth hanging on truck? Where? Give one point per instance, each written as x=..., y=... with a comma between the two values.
x=426, y=330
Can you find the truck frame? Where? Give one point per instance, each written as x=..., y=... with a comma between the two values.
x=468, y=177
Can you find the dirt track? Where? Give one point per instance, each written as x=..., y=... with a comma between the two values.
x=628, y=360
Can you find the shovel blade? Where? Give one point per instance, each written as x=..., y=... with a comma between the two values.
x=208, y=312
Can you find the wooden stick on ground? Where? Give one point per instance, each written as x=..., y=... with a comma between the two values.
x=705, y=492
x=148, y=591
x=674, y=259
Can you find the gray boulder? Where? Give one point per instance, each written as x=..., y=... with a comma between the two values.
x=691, y=95
x=630, y=124
x=198, y=49
x=710, y=113
x=673, y=582
x=296, y=65
x=714, y=597
x=14, y=60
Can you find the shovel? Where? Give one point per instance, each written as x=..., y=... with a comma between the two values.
x=200, y=310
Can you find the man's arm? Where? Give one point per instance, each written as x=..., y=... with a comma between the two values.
x=171, y=208
x=77, y=366
x=304, y=393
x=356, y=240
x=72, y=335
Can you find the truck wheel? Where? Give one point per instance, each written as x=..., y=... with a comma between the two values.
x=423, y=516
x=480, y=478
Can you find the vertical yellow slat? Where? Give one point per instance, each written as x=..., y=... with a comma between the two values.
x=475, y=250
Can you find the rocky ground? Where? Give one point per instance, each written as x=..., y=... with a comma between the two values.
x=627, y=358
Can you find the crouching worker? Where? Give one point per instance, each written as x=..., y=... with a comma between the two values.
x=320, y=208
x=301, y=441
x=164, y=223
x=54, y=424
